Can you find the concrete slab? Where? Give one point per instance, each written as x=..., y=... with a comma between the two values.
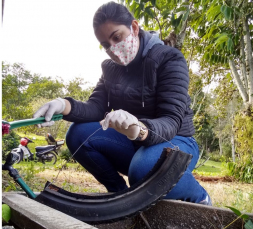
x=171, y=214
x=29, y=214
x=166, y=214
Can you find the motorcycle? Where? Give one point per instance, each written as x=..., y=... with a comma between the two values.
x=45, y=154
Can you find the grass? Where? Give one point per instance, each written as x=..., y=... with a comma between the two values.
x=211, y=168
x=72, y=177
x=223, y=193
x=233, y=194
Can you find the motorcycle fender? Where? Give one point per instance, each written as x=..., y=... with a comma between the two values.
x=19, y=152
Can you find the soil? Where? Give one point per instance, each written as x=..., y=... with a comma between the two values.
x=82, y=179
x=213, y=179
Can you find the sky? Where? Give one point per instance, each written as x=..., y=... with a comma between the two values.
x=53, y=38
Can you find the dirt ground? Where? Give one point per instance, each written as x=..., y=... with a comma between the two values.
x=82, y=179
x=225, y=192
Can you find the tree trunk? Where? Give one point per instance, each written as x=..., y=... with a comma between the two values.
x=243, y=64
x=249, y=59
x=177, y=41
x=194, y=100
x=233, y=147
x=200, y=105
x=220, y=145
x=2, y=9
x=206, y=146
x=238, y=81
x=182, y=33
x=220, y=140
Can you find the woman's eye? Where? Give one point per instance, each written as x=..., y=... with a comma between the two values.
x=117, y=38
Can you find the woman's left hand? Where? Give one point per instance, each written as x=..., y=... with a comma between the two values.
x=123, y=122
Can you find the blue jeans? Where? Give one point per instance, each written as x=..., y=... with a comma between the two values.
x=108, y=153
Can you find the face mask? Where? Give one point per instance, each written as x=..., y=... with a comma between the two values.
x=125, y=51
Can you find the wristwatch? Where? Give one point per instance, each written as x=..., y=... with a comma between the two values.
x=143, y=131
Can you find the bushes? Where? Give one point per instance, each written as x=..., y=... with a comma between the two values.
x=225, y=157
x=242, y=170
x=227, y=151
x=9, y=142
x=65, y=154
x=243, y=128
x=215, y=156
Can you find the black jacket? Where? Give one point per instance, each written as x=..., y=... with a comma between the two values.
x=153, y=87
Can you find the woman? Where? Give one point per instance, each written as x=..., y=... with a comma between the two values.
x=145, y=83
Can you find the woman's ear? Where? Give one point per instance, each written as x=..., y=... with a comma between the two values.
x=135, y=26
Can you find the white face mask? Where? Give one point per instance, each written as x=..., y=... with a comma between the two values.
x=125, y=51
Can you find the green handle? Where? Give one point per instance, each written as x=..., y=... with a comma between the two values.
x=32, y=121
x=26, y=188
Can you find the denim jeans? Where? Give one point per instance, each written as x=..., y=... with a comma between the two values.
x=107, y=153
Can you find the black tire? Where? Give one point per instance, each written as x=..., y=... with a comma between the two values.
x=111, y=207
x=49, y=158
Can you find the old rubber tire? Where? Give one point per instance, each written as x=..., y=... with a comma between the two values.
x=107, y=208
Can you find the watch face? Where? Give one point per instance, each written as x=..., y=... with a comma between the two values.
x=141, y=134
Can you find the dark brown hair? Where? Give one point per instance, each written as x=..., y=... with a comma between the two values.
x=113, y=12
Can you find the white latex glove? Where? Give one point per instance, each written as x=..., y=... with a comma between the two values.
x=56, y=106
x=123, y=122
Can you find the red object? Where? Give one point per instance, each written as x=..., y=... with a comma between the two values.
x=5, y=129
x=23, y=141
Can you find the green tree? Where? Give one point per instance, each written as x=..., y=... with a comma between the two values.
x=225, y=28
x=15, y=80
x=24, y=93
x=20, y=88
x=167, y=17
x=202, y=117
x=77, y=89
x=45, y=87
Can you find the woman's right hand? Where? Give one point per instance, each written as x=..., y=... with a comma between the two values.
x=56, y=106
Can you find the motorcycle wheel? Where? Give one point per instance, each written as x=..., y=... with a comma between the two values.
x=49, y=158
